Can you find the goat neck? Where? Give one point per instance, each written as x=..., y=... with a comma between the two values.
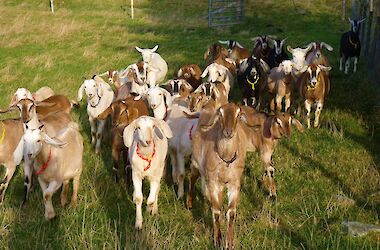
x=161, y=111
x=227, y=149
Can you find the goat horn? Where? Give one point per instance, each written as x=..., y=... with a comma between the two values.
x=327, y=46
x=223, y=42
x=239, y=45
x=362, y=20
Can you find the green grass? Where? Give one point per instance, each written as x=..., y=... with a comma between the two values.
x=84, y=37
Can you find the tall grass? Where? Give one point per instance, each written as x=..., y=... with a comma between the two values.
x=84, y=37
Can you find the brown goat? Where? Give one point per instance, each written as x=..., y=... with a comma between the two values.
x=219, y=157
x=191, y=73
x=313, y=86
x=262, y=136
x=261, y=47
x=10, y=135
x=216, y=53
x=123, y=112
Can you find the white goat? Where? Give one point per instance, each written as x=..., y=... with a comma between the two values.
x=146, y=139
x=99, y=97
x=219, y=73
x=299, y=61
x=160, y=101
x=157, y=67
x=180, y=145
x=52, y=164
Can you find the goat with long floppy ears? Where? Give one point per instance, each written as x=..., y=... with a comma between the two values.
x=51, y=164
x=219, y=150
x=147, y=143
x=99, y=97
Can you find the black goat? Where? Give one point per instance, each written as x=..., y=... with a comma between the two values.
x=277, y=54
x=252, y=77
x=261, y=47
x=350, y=46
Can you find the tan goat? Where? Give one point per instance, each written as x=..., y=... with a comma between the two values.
x=219, y=152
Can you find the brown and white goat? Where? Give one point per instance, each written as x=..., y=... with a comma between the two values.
x=313, y=86
x=216, y=53
x=261, y=49
x=280, y=85
x=218, y=157
x=53, y=120
x=123, y=112
x=236, y=51
x=11, y=132
x=191, y=73
x=52, y=165
x=262, y=135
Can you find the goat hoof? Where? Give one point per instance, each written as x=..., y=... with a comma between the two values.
x=138, y=225
x=49, y=215
x=189, y=202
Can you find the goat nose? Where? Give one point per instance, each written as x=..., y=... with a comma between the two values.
x=29, y=156
x=154, y=106
x=148, y=142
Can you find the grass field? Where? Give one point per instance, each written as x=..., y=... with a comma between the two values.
x=84, y=37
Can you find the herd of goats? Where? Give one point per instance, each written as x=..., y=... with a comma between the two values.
x=190, y=119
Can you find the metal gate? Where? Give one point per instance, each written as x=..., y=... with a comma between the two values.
x=225, y=12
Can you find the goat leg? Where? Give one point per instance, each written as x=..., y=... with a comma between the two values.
x=308, y=105
x=233, y=196
x=116, y=160
x=10, y=169
x=194, y=177
x=272, y=183
x=318, y=111
x=65, y=187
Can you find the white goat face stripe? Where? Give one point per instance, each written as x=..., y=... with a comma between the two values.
x=277, y=47
x=144, y=128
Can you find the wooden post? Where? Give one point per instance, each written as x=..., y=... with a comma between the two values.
x=343, y=10
x=52, y=6
x=132, y=10
x=353, y=9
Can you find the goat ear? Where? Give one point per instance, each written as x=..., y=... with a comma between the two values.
x=18, y=154
x=53, y=141
x=164, y=127
x=168, y=97
x=290, y=49
x=13, y=100
x=298, y=125
x=265, y=66
x=179, y=73
x=309, y=47
x=250, y=120
x=105, y=114
x=154, y=49
x=100, y=90
x=303, y=69
x=327, y=46
x=139, y=49
x=324, y=68
x=212, y=120
x=205, y=72
x=128, y=134
x=192, y=71
x=80, y=92
x=187, y=85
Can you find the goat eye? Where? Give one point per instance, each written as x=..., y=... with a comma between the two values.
x=39, y=141
x=160, y=93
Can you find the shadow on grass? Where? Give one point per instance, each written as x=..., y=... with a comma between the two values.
x=360, y=199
